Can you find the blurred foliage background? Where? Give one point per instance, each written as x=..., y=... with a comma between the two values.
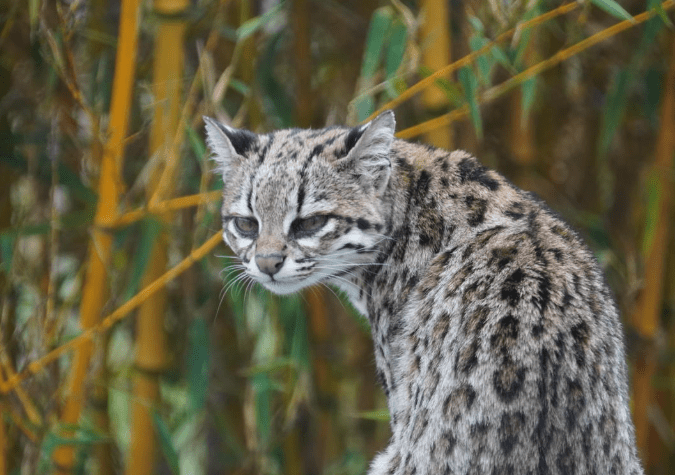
x=128, y=344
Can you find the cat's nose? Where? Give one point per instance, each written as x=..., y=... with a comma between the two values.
x=269, y=264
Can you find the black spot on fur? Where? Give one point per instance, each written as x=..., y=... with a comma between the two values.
x=515, y=211
x=477, y=209
x=470, y=170
x=502, y=256
x=467, y=358
x=444, y=182
x=505, y=335
x=422, y=187
x=508, y=380
x=543, y=292
x=580, y=335
x=511, y=427
x=510, y=288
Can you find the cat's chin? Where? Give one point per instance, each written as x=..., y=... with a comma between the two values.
x=284, y=288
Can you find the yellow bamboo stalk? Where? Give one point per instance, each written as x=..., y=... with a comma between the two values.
x=94, y=291
x=435, y=38
x=152, y=348
x=168, y=205
x=646, y=317
x=104, y=325
x=499, y=90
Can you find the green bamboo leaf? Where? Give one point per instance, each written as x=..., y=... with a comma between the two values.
x=198, y=359
x=150, y=229
x=613, y=8
x=165, y=442
x=653, y=189
x=271, y=366
x=501, y=58
x=6, y=252
x=396, y=49
x=364, y=106
x=470, y=84
x=263, y=389
x=653, y=81
x=275, y=99
x=484, y=62
x=249, y=27
x=451, y=89
x=381, y=415
x=614, y=110
x=196, y=143
x=377, y=32
x=476, y=24
x=657, y=6
x=529, y=89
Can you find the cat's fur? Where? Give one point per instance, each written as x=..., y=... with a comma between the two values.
x=497, y=342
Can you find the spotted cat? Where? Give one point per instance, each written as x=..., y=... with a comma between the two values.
x=497, y=342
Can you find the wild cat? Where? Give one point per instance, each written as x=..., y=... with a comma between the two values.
x=497, y=342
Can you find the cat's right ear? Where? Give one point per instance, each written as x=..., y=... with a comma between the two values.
x=228, y=145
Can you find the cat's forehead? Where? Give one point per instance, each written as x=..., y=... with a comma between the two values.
x=302, y=145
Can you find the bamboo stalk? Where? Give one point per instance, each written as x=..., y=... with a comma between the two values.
x=499, y=90
x=435, y=35
x=647, y=315
x=152, y=348
x=94, y=291
x=164, y=206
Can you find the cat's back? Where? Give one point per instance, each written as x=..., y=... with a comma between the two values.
x=512, y=355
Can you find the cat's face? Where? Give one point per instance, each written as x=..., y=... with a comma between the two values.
x=303, y=206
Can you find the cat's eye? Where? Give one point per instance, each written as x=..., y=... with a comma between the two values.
x=246, y=226
x=310, y=225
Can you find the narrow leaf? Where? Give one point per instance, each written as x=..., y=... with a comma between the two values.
x=397, y=44
x=165, y=442
x=251, y=26
x=470, y=84
x=150, y=229
x=529, y=89
x=613, y=8
x=6, y=252
x=652, y=212
x=382, y=415
x=657, y=6
x=196, y=143
x=198, y=364
x=377, y=32
x=275, y=99
x=614, y=110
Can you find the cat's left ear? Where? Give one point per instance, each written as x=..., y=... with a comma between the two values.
x=369, y=148
x=228, y=145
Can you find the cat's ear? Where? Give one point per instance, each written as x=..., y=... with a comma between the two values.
x=368, y=150
x=228, y=145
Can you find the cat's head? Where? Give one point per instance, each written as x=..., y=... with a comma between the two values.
x=303, y=206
